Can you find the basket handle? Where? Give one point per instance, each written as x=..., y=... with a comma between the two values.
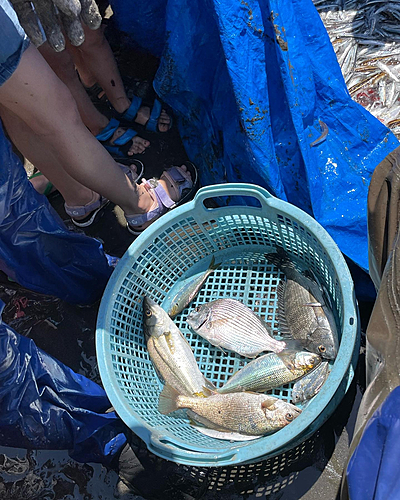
x=232, y=189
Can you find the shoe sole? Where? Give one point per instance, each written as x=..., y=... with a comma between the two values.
x=92, y=218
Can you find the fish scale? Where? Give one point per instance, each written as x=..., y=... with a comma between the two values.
x=246, y=413
x=270, y=371
x=303, y=312
x=229, y=324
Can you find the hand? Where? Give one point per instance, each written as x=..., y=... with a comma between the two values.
x=56, y=17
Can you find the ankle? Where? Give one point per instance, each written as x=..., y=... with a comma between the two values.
x=121, y=104
x=80, y=199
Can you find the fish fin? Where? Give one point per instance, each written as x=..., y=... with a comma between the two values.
x=209, y=391
x=167, y=401
x=213, y=265
x=283, y=325
x=269, y=404
x=286, y=356
x=314, y=304
x=292, y=345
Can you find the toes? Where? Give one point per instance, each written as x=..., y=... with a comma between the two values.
x=138, y=145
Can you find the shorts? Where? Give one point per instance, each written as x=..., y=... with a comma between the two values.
x=13, y=41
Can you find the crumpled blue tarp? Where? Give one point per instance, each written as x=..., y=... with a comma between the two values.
x=45, y=405
x=36, y=249
x=372, y=471
x=249, y=82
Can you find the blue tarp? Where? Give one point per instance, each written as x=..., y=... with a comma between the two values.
x=249, y=82
x=36, y=249
x=372, y=472
x=45, y=405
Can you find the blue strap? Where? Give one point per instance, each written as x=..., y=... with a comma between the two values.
x=131, y=112
x=108, y=131
x=152, y=123
x=126, y=137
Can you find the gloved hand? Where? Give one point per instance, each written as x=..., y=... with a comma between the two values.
x=55, y=17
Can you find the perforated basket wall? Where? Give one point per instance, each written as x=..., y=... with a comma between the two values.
x=182, y=243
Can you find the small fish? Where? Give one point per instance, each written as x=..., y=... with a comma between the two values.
x=303, y=312
x=241, y=412
x=322, y=137
x=270, y=371
x=171, y=353
x=229, y=324
x=308, y=386
x=191, y=287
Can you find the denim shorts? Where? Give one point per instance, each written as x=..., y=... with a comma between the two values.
x=13, y=41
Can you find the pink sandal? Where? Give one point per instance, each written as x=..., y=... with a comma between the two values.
x=184, y=183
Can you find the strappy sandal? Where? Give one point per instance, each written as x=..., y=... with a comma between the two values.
x=119, y=147
x=185, y=183
x=88, y=213
x=129, y=116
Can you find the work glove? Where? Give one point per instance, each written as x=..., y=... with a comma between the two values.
x=56, y=17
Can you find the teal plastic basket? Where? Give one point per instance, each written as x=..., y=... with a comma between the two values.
x=181, y=243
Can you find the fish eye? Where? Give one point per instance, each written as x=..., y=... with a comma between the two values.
x=148, y=313
x=289, y=416
x=321, y=348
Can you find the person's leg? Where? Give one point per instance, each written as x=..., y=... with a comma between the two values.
x=31, y=147
x=64, y=67
x=36, y=95
x=95, y=57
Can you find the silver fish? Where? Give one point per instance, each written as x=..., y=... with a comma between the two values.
x=229, y=324
x=308, y=386
x=303, y=311
x=242, y=412
x=270, y=371
x=171, y=353
x=190, y=288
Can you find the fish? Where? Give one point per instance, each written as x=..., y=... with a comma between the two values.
x=322, y=137
x=303, y=311
x=171, y=353
x=229, y=324
x=242, y=412
x=308, y=386
x=270, y=371
x=190, y=288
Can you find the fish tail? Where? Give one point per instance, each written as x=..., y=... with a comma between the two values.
x=214, y=265
x=168, y=400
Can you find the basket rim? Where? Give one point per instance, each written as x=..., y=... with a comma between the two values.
x=250, y=450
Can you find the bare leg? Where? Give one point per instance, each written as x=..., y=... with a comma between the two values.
x=43, y=102
x=35, y=95
x=30, y=145
x=95, y=58
x=63, y=65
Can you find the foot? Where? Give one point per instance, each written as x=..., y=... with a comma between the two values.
x=163, y=121
x=85, y=215
x=138, y=145
x=149, y=202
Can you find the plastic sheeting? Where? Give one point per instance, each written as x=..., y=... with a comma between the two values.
x=45, y=405
x=250, y=82
x=36, y=249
